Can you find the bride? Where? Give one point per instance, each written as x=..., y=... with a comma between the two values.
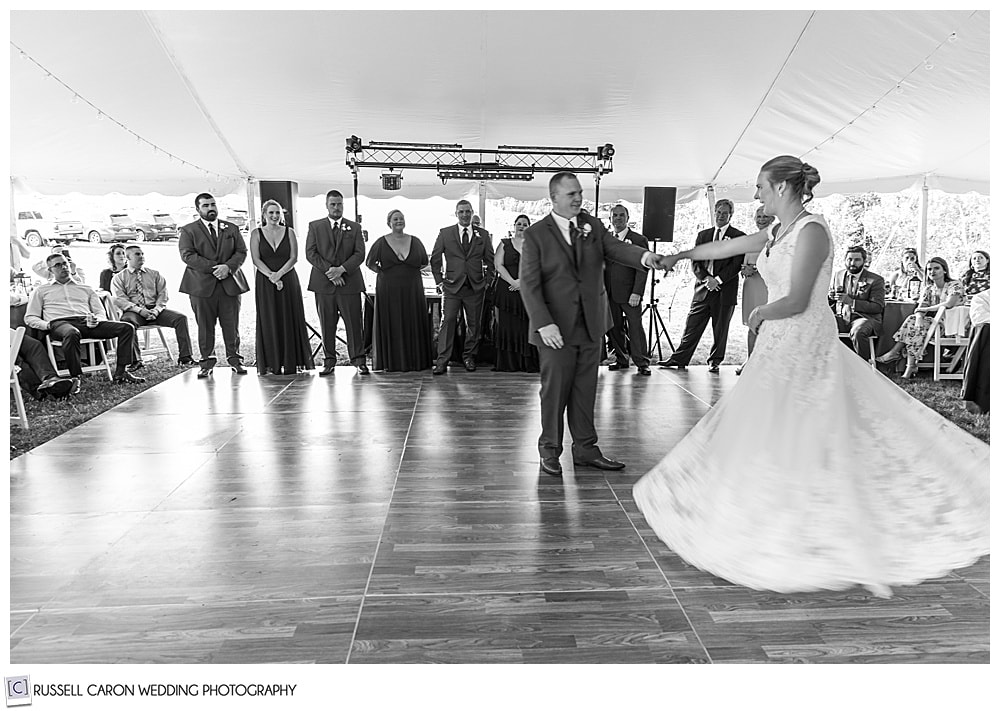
x=842, y=479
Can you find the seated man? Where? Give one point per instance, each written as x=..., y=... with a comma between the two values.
x=76, y=273
x=71, y=311
x=141, y=294
x=37, y=377
x=858, y=297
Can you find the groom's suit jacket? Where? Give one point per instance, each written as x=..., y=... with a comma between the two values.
x=473, y=266
x=201, y=254
x=556, y=285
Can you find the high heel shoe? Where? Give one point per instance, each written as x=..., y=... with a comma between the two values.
x=889, y=357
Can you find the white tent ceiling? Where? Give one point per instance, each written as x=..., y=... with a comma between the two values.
x=687, y=98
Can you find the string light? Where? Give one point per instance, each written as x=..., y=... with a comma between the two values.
x=897, y=89
x=76, y=98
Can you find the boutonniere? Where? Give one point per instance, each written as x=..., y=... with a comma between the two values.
x=222, y=225
x=585, y=230
x=346, y=227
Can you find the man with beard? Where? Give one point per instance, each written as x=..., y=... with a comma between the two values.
x=858, y=297
x=213, y=252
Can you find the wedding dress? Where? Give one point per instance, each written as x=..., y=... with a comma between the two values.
x=816, y=472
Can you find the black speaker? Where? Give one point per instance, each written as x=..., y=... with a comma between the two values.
x=658, y=213
x=287, y=195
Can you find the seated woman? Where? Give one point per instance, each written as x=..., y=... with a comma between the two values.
x=514, y=353
x=116, y=258
x=402, y=332
x=941, y=289
x=977, y=276
x=976, y=383
x=909, y=267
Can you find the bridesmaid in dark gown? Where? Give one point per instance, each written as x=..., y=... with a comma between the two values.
x=402, y=336
x=514, y=353
x=282, y=341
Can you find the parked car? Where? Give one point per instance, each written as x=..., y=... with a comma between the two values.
x=34, y=229
x=117, y=227
x=239, y=218
x=68, y=229
x=157, y=228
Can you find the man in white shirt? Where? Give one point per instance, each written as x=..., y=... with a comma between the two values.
x=141, y=294
x=41, y=268
x=71, y=311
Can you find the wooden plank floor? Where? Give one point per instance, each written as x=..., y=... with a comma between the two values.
x=401, y=518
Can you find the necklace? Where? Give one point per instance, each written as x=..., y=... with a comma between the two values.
x=777, y=238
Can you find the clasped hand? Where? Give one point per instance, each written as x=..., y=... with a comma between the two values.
x=220, y=271
x=663, y=261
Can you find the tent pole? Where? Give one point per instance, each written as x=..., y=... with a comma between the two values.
x=13, y=218
x=482, y=202
x=252, y=201
x=924, y=199
x=710, y=194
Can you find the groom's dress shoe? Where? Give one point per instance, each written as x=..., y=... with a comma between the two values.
x=713, y=367
x=644, y=370
x=618, y=366
x=671, y=364
x=601, y=462
x=550, y=466
x=327, y=370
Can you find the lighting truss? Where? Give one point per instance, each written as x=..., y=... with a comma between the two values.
x=453, y=162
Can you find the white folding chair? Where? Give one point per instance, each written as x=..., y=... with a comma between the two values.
x=872, y=340
x=144, y=346
x=950, y=368
x=16, y=336
x=94, y=347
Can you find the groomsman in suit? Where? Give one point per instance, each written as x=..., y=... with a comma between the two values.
x=716, y=284
x=468, y=256
x=335, y=247
x=562, y=285
x=625, y=289
x=858, y=297
x=213, y=252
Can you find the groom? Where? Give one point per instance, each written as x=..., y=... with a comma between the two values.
x=562, y=285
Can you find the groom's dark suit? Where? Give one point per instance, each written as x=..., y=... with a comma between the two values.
x=346, y=248
x=564, y=285
x=213, y=299
x=463, y=284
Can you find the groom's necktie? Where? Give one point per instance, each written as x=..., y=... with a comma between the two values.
x=465, y=238
x=574, y=238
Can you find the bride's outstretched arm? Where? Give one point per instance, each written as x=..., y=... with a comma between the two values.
x=811, y=250
x=726, y=247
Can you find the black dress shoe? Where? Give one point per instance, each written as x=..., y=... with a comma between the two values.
x=363, y=370
x=188, y=361
x=440, y=369
x=127, y=377
x=204, y=373
x=55, y=386
x=134, y=366
x=671, y=364
x=238, y=368
x=470, y=365
x=618, y=366
x=644, y=370
x=550, y=466
x=327, y=370
x=713, y=367
x=601, y=462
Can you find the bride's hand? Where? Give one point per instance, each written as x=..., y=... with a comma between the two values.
x=755, y=320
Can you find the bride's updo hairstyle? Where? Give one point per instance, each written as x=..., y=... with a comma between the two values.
x=801, y=177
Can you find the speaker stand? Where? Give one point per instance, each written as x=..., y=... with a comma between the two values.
x=657, y=328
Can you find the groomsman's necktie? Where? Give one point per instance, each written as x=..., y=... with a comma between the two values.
x=211, y=232
x=465, y=238
x=710, y=266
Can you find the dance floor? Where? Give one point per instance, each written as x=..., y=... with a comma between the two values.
x=401, y=518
